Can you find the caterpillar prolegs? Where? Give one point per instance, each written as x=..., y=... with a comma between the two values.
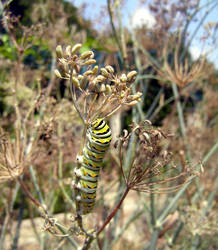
x=98, y=140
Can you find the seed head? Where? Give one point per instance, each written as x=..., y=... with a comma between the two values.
x=76, y=47
x=68, y=50
x=90, y=61
x=100, y=78
x=110, y=69
x=123, y=78
x=59, y=52
x=151, y=167
x=87, y=55
x=131, y=76
x=105, y=73
x=95, y=70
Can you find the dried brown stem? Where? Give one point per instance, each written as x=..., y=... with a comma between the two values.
x=27, y=192
x=112, y=214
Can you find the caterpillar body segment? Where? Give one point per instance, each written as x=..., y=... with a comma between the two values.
x=104, y=143
x=98, y=124
x=104, y=132
x=95, y=149
x=91, y=161
x=87, y=174
x=92, y=155
x=87, y=186
x=87, y=198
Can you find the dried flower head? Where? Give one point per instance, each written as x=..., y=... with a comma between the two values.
x=182, y=73
x=28, y=33
x=150, y=168
x=11, y=158
x=180, y=70
x=46, y=129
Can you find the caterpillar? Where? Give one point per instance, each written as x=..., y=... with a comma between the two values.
x=97, y=142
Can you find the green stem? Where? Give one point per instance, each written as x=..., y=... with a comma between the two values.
x=109, y=7
x=196, y=238
x=158, y=109
x=183, y=129
x=19, y=222
x=176, y=234
x=207, y=12
x=154, y=240
x=122, y=38
x=210, y=153
x=36, y=186
x=154, y=104
x=60, y=167
x=153, y=210
x=73, y=243
x=8, y=216
x=182, y=190
x=149, y=56
x=179, y=109
x=42, y=202
x=39, y=194
x=135, y=215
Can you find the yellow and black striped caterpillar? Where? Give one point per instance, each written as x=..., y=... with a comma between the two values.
x=98, y=140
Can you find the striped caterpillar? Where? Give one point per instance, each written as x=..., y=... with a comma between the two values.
x=91, y=161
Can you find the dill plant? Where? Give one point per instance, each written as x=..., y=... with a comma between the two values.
x=100, y=93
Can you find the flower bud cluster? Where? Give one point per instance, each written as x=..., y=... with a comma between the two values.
x=118, y=86
x=103, y=81
x=71, y=62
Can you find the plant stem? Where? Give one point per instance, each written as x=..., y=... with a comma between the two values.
x=6, y=222
x=183, y=129
x=73, y=97
x=18, y=227
x=153, y=212
x=155, y=102
x=182, y=190
x=60, y=166
x=135, y=215
x=41, y=199
x=154, y=240
x=109, y=7
x=210, y=153
x=114, y=211
x=90, y=238
x=122, y=38
x=196, y=239
x=70, y=239
x=176, y=234
x=33, y=176
x=207, y=12
x=27, y=192
x=179, y=109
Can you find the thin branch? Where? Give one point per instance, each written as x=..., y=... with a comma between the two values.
x=27, y=192
x=109, y=6
x=112, y=214
x=72, y=91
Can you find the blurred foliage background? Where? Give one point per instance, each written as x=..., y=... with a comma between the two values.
x=41, y=132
